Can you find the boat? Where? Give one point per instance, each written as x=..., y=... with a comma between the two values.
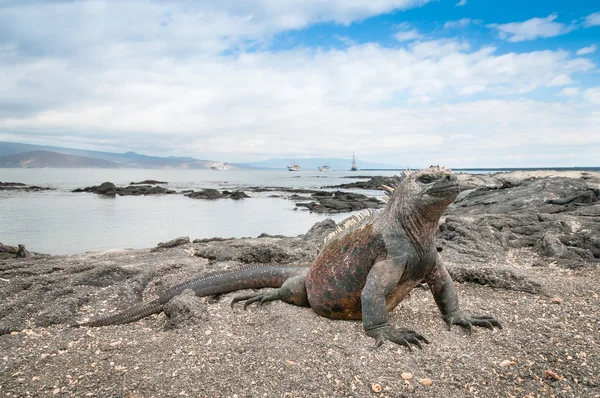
x=353, y=168
x=294, y=167
x=325, y=169
x=220, y=166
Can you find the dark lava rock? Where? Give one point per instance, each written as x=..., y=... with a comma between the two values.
x=185, y=309
x=8, y=249
x=212, y=194
x=497, y=277
x=544, y=194
x=172, y=243
x=109, y=189
x=209, y=193
x=340, y=202
x=148, y=182
x=373, y=183
x=139, y=190
x=236, y=195
x=568, y=239
x=19, y=186
x=266, y=248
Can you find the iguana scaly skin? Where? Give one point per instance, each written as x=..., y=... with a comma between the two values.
x=364, y=270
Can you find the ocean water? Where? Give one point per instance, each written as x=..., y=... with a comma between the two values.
x=62, y=222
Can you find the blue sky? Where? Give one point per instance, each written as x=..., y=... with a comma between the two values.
x=475, y=83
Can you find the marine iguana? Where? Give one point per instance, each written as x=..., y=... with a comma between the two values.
x=364, y=270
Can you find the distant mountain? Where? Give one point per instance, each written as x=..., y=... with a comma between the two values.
x=7, y=151
x=314, y=163
x=40, y=159
x=127, y=159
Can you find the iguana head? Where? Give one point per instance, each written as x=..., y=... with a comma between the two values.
x=420, y=199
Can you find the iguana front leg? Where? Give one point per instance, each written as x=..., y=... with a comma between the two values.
x=441, y=285
x=381, y=281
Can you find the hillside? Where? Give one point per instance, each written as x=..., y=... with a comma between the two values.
x=40, y=159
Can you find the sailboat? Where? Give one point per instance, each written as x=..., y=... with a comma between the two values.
x=353, y=168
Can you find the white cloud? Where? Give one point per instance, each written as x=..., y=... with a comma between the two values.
x=592, y=20
x=560, y=80
x=586, y=50
x=461, y=3
x=408, y=35
x=461, y=23
x=126, y=82
x=470, y=90
x=592, y=95
x=174, y=27
x=569, y=91
x=531, y=29
x=242, y=104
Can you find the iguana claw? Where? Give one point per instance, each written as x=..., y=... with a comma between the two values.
x=467, y=321
x=404, y=337
x=260, y=297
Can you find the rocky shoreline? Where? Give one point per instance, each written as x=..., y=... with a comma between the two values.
x=523, y=247
x=19, y=186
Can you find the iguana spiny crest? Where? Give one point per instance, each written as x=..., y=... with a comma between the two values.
x=417, y=196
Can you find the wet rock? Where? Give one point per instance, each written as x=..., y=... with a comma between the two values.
x=110, y=190
x=19, y=186
x=340, y=202
x=148, y=182
x=106, y=189
x=212, y=194
x=236, y=195
x=208, y=193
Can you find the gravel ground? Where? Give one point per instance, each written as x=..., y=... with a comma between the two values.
x=550, y=344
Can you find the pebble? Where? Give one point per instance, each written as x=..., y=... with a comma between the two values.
x=550, y=374
x=426, y=382
x=376, y=387
x=556, y=300
x=406, y=376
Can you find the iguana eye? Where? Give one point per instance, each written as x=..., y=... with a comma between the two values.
x=426, y=179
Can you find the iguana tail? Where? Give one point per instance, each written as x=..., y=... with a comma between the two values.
x=216, y=283
x=130, y=315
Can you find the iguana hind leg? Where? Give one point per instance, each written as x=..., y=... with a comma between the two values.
x=292, y=291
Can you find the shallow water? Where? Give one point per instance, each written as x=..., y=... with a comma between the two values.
x=62, y=222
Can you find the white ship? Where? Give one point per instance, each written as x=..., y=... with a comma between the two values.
x=220, y=166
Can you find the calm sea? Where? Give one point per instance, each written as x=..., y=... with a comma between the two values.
x=62, y=222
